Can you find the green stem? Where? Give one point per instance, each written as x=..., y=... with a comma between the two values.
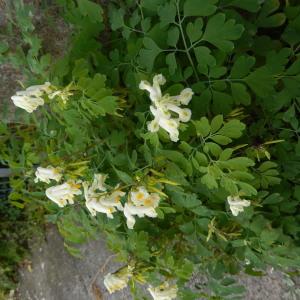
x=184, y=41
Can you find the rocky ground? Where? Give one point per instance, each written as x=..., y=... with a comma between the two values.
x=52, y=274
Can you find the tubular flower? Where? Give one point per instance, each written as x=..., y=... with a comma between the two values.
x=117, y=281
x=163, y=292
x=64, y=193
x=101, y=202
x=141, y=203
x=237, y=204
x=46, y=174
x=31, y=98
x=165, y=106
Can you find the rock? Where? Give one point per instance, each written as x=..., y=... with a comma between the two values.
x=56, y=275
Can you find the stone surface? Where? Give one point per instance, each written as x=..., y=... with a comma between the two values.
x=55, y=275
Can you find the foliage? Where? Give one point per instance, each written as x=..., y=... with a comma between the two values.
x=241, y=59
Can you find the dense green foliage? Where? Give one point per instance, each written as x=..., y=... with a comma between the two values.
x=241, y=59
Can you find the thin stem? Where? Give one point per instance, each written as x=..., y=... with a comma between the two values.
x=184, y=40
x=194, y=44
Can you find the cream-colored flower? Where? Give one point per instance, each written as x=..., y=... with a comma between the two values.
x=46, y=174
x=154, y=89
x=165, y=106
x=185, y=96
x=141, y=197
x=130, y=210
x=163, y=292
x=117, y=281
x=99, y=183
x=102, y=201
x=31, y=98
x=95, y=205
x=237, y=204
x=64, y=193
x=27, y=103
x=38, y=90
x=141, y=203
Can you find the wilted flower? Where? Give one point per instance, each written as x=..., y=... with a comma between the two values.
x=31, y=98
x=101, y=202
x=46, y=174
x=164, y=106
x=64, y=193
x=141, y=203
x=237, y=204
x=163, y=292
x=117, y=281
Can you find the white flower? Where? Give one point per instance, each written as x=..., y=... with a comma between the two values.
x=237, y=204
x=185, y=96
x=141, y=203
x=163, y=292
x=141, y=197
x=165, y=106
x=64, y=193
x=99, y=183
x=28, y=103
x=154, y=90
x=171, y=126
x=117, y=281
x=131, y=210
x=31, y=98
x=101, y=202
x=46, y=174
x=39, y=89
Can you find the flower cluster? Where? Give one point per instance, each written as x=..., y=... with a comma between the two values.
x=237, y=204
x=31, y=98
x=119, y=280
x=98, y=198
x=165, y=106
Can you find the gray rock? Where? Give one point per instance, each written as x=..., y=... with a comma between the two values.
x=55, y=275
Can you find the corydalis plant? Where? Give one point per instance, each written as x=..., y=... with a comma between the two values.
x=164, y=107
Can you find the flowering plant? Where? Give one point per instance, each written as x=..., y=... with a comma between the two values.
x=173, y=178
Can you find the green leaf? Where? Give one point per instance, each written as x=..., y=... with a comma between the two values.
x=3, y=46
x=261, y=81
x=221, y=33
x=240, y=94
x=216, y=123
x=171, y=62
x=173, y=36
x=196, y=9
x=249, y=5
x=148, y=55
x=123, y=176
x=268, y=20
x=239, y=163
x=167, y=13
x=194, y=30
x=221, y=139
x=204, y=59
x=90, y=9
x=202, y=127
x=209, y=181
x=232, y=129
x=117, y=18
x=242, y=66
x=178, y=158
